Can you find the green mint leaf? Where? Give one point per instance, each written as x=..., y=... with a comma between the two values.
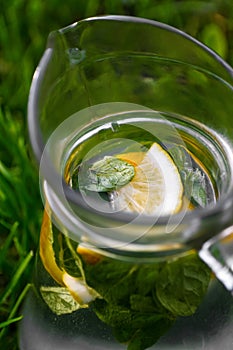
x=197, y=187
x=192, y=177
x=148, y=335
x=143, y=331
x=71, y=260
x=65, y=252
x=182, y=285
x=180, y=156
x=146, y=277
x=59, y=300
x=123, y=334
x=139, y=330
x=142, y=304
x=112, y=314
x=105, y=175
x=112, y=279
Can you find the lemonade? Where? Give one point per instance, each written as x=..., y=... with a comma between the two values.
x=138, y=302
x=145, y=166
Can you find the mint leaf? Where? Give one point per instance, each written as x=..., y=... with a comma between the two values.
x=65, y=252
x=112, y=314
x=148, y=335
x=182, y=285
x=123, y=334
x=146, y=277
x=180, y=156
x=105, y=175
x=142, y=304
x=197, y=187
x=59, y=300
x=112, y=279
x=193, y=178
x=138, y=330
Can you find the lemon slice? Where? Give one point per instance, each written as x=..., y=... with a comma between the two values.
x=134, y=158
x=79, y=290
x=156, y=187
x=77, y=287
x=46, y=249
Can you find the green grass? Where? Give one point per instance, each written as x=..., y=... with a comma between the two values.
x=24, y=28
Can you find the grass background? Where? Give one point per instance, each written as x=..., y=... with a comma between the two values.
x=24, y=28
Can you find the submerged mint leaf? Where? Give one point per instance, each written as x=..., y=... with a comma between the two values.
x=142, y=304
x=181, y=157
x=197, y=186
x=112, y=314
x=146, y=277
x=148, y=335
x=192, y=177
x=59, y=300
x=139, y=330
x=182, y=285
x=65, y=254
x=106, y=174
x=113, y=280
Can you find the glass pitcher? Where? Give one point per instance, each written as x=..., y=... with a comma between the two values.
x=131, y=92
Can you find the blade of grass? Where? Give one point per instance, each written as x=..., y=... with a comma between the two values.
x=7, y=194
x=18, y=246
x=8, y=322
x=15, y=279
x=4, y=249
x=5, y=224
x=15, y=309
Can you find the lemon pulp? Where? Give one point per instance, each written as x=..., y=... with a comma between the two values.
x=156, y=188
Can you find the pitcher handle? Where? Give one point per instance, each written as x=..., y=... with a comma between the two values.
x=217, y=253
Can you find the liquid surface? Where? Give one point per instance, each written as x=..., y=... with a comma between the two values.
x=131, y=137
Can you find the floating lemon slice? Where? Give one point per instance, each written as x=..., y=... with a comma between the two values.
x=134, y=158
x=156, y=188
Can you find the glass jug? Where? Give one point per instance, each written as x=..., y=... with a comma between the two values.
x=114, y=89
